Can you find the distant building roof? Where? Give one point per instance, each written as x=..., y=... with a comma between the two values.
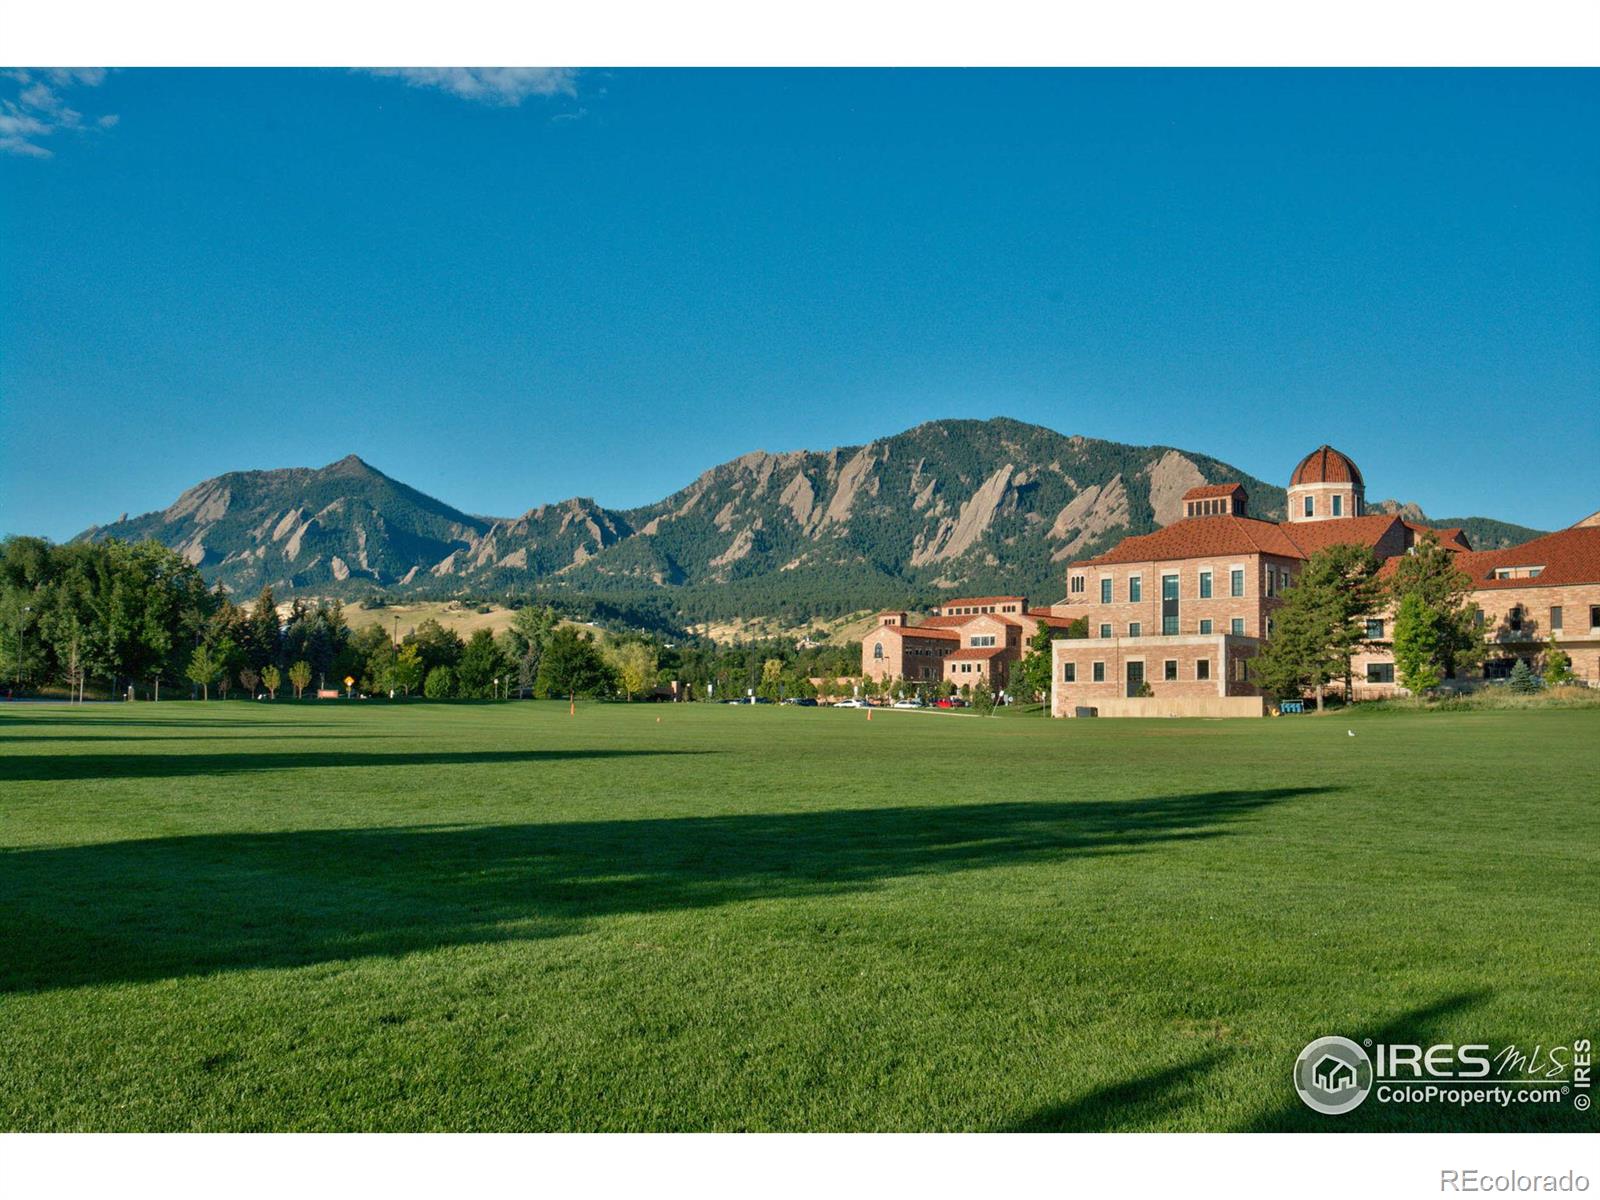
x=937, y=632
x=1211, y=491
x=1213, y=537
x=1565, y=557
x=971, y=600
x=969, y=652
x=1326, y=465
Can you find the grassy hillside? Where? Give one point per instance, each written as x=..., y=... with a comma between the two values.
x=347, y=916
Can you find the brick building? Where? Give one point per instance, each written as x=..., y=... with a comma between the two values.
x=1176, y=615
x=967, y=641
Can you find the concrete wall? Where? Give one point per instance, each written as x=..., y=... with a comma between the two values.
x=1183, y=706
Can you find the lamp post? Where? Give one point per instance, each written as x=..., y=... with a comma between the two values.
x=22, y=633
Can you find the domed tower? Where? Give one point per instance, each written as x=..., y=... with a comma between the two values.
x=1325, y=485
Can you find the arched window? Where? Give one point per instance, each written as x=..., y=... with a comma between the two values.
x=877, y=650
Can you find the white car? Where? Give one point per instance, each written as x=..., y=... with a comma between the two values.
x=850, y=704
x=909, y=704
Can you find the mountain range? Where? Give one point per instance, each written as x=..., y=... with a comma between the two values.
x=953, y=505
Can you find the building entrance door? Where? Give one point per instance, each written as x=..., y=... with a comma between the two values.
x=1135, y=678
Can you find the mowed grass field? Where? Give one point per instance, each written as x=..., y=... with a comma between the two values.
x=248, y=916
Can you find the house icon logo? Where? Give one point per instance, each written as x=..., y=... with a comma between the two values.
x=1333, y=1075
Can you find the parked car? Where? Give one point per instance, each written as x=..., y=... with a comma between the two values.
x=910, y=702
x=951, y=702
x=850, y=704
x=801, y=701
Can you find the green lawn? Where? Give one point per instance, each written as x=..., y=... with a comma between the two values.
x=254, y=916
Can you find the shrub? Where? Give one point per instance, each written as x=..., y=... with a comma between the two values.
x=440, y=684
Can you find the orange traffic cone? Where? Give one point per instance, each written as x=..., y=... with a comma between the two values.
x=869, y=714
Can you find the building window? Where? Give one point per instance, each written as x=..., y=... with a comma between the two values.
x=877, y=650
x=1374, y=630
x=1205, y=585
x=1380, y=672
x=1555, y=618
x=1169, y=625
x=1076, y=585
x=1202, y=668
x=983, y=639
x=1338, y=506
x=1270, y=626
x=1135, y=589
x=1105, y=631
x=1514, y=618
x=1236, y=627
x=1069, y=672
x=1169, y=669
x=1236, y=582
x=1477, y=617
x=1310, y=509
x=1205, y=625
x=1134, y=628
x=1594, y=616
x=1238, y=670
x=1105, y=591
x=1099, y=672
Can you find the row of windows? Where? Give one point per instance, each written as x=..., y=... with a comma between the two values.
x=1517, y=615
x=1276, y=580
x=1335, y=509
x=1169, y=670
x=983, y=639
x=1169, y=627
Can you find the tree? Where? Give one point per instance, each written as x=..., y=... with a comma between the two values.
x=1416, y=645
x=770, y=686
x=440, y=684
x=272, y=679
x=408, y=670
x=635, y=665
x=1030, y=678
x=1321, y=623
x=1523, y=681
x=300, y=677
x=983, y=698
x=249, y=679
x=262, y=648
x=1557, y=664
x=480, y=664
x=1430, y=572
x=531, y=628
x=203, y=669
x=571, y=666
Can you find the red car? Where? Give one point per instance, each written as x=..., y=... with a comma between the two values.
x=950, y=702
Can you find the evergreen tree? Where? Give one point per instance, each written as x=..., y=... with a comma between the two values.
x=1523, y=681
x=1320, y=624
x=479, y=666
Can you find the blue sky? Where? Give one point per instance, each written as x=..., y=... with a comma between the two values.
x=509, y=291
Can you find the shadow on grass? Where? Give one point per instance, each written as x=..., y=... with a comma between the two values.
x=1159, y=1099
x=58, y=768
x=178, y=906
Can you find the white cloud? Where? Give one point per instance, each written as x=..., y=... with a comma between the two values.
x=38, y=108
x=503, y=86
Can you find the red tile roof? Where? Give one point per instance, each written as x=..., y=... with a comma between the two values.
x=1368, y=531
x=1568, y=556
x=1450, y=539
x=921, y=631
x=1209, y=491
x=976, y=652
x=1326, y=465
x=1200, y=537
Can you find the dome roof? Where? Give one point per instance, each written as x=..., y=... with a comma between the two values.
x=1326, y=465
